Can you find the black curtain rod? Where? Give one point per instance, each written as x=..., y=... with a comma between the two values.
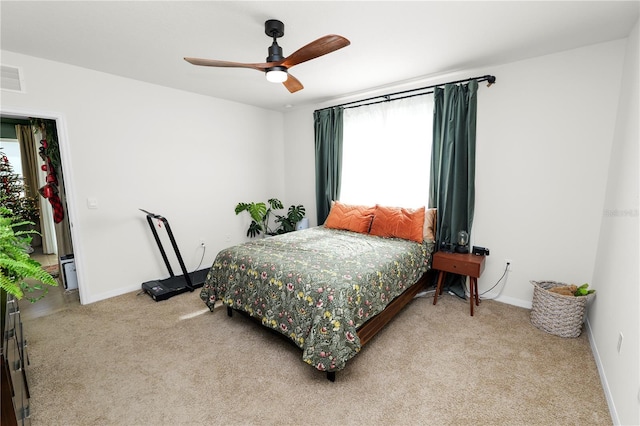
x=386, y=98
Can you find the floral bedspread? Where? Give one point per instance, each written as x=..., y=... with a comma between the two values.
x=316, y=286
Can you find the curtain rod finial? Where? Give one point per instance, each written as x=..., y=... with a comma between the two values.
x=491, y=79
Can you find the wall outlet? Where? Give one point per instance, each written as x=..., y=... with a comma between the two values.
x=508, y=265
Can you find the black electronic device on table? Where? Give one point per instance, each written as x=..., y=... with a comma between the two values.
x=480, y=251
x=175, y=284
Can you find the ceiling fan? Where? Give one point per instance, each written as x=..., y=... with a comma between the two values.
x=277, y=67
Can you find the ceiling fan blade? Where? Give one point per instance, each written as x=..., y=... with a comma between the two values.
x=321, y=46
x=215, y=63
x=292, y=84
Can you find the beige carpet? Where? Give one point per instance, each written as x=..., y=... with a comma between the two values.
x=132, y=361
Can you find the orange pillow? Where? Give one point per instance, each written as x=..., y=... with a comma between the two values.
x=350, y=217
x=398, y=222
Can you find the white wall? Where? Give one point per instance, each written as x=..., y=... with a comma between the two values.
x=300, y=160
x=544, y=138
x=615, y=308
x=135, y=145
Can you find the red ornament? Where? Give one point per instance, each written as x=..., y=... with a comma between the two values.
x=43, y=142
x=51, y=178
x=43, y=167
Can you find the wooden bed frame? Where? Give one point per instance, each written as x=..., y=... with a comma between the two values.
x=370, y=328
x=375, y=324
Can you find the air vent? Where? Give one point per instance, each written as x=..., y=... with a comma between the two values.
x=11, y=79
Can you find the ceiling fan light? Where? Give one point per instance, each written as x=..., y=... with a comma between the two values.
x=277, y=74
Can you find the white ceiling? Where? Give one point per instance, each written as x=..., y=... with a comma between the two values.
x=390, y=41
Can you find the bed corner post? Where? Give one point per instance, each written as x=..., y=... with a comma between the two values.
x=331, y=376
x=229, y=311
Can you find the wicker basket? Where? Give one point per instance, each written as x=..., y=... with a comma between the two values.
x=555, y=313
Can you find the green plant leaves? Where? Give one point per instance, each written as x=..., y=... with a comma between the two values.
x=260, y=215
x=583, y=290
x=276, y=204
x=288, y=222
x=254, y=229
x=15, y=264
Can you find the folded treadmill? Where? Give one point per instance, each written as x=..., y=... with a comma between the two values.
x=175, y=284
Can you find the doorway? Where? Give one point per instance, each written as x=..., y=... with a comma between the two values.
x=14, y=134
x=55, y=224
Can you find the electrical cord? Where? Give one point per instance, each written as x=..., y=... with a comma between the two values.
x=506, y=269
x=204, y=249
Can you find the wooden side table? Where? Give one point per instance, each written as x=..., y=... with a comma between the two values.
x=461, y=264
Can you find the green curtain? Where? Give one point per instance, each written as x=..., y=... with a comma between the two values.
x=328, y=128
x=453, y=159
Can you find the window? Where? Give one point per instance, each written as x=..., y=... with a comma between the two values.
x=387, y=153
x=11, y=148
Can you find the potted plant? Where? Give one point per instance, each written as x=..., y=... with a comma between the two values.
x=261, y=213
x=15, y=264
x=288, y=223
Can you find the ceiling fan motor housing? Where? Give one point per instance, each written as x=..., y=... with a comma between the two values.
x=275, y=53
x=274, y=28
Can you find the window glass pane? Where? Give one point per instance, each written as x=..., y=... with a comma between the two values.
x=11, y=148
x=387, y=153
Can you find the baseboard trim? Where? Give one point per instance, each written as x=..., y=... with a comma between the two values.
x=513, y=301
x=603, y=378
x=110, y=294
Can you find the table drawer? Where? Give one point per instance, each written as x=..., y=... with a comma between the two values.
x=456, y=266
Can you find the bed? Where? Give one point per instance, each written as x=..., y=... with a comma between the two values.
x=328, y=290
